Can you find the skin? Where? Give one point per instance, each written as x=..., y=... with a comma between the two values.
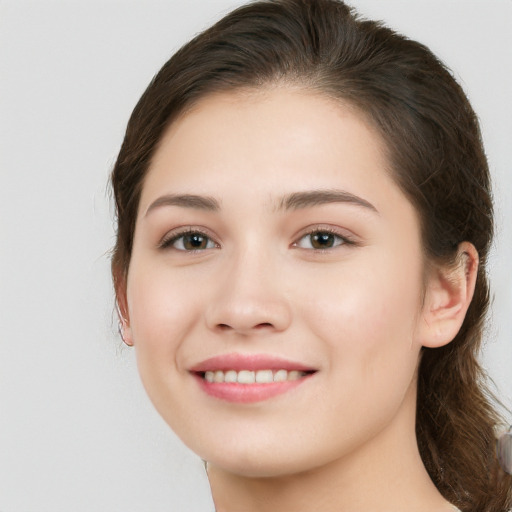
x=357, y=312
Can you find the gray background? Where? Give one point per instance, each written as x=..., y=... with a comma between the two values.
x=76, y=430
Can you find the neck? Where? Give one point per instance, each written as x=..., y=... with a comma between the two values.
x=386, y=474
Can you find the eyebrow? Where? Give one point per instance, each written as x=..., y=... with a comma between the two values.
x=185, y=201
x=294, y=201
x=299, y=200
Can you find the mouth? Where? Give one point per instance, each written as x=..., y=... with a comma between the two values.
x=249, y=378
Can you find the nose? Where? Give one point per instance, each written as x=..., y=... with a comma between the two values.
x=251, y=298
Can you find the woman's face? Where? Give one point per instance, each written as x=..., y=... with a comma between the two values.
x=274, y=291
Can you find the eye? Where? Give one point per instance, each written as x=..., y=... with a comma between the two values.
x=189, y=241
x=321, y=239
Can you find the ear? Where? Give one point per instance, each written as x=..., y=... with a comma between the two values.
x=122, y=310
x=449, y=290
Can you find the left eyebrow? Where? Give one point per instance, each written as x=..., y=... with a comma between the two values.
x=185, y=201
x=299, y=200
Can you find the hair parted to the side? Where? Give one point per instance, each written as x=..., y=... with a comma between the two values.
x=436, y=157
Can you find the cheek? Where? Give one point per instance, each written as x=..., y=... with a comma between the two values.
x=162, y=312
x=365, y=304
x=367, y=320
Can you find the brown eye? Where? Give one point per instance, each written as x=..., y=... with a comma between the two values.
x=323, y=240
x=195, y=241
x=192, y=241
x=320, y=240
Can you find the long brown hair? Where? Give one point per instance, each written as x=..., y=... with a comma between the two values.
x=437, y=159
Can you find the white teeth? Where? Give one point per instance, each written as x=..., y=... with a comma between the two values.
x=264, y=376
x=280, y=376
x=251, y=377
x=230, y=376
x=246, y=377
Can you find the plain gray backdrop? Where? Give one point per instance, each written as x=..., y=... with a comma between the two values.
x=76, y=430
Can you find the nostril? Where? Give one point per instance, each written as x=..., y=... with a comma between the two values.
x=227, y=327
x=263, y=325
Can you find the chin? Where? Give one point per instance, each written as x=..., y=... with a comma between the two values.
x=250, y=467
x=255, y=460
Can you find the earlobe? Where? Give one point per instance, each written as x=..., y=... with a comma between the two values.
x=449, y=291
x=125, y=330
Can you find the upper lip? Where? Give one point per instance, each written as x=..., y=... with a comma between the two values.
x=254, y=362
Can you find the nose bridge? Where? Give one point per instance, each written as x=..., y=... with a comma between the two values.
x=249, y=294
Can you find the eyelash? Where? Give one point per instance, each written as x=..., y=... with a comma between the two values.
x=171, y=239
x=344, y=239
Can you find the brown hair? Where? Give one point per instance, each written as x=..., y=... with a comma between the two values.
x=437, y=159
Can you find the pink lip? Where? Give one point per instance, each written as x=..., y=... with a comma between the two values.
x=253, y=362
x=247, y=393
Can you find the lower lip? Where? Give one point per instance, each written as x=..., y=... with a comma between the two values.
x=248, y=393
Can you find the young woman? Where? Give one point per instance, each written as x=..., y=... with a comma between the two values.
x=304, y=217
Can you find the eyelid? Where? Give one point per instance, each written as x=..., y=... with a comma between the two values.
x=171, y=236
x=347, y=237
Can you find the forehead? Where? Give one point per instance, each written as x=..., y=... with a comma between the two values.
x=272, y=141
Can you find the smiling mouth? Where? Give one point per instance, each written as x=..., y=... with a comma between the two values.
x=246, y=379
x=249, y=377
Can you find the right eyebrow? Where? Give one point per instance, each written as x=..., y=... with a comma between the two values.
x=185, y=201
x=309, y=198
